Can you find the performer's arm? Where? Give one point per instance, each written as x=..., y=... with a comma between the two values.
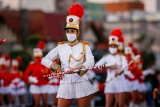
x=27, y=73
x=89, y=62
x=47, y=60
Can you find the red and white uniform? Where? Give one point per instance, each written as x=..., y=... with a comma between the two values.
x=17, y=85
x=6, y=79
x=36, y=70
x=53, y=85
x=134, y=80
x=5, y=76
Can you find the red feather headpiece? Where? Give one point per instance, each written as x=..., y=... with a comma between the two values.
x=116, y=32
x=134, y=50
x=2, y=40
x=19, y=59
x=41, y=45
x=130, y=44
x=121, y=39
x=76, y=10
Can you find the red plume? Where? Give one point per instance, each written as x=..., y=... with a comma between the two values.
x=134, y=50
x=19, y=59
x=41, y=45
x=2, y=40
x=7, y=57
x=121, y=39
x=130, y=44
x=76, y=10
x=139, y=53
x=117, y=32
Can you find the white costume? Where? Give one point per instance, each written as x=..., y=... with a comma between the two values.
x=72, y=85
x=118, y=84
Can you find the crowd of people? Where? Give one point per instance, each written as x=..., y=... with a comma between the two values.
x=13, y=81
x=124, y=86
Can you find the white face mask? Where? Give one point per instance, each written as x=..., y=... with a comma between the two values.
x=112, y=50
x=71, y=37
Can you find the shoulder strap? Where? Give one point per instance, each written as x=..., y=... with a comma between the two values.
x=60, y=43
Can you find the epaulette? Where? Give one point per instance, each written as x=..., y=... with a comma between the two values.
x=21, y=73
x=60, y=43
x=32, y=62
x=85, y=42
x=105, y=55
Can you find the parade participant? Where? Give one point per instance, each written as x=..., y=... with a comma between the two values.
x=73, y=54
x=39, y=86
x=121, y=52
x=116, y=87
x=142, y=87
x=54, y=85
x=5, y=79
x=17, y=84
x=130, y=51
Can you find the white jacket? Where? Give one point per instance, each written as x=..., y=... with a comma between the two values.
x=63, y=51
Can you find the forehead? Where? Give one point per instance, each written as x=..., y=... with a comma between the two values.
x=112, y=45
x=70, y=29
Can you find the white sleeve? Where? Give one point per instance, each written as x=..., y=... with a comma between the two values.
x=89, y=57
x=52, y=55
x=128, y=73
x=101, y=61
x=124, y=63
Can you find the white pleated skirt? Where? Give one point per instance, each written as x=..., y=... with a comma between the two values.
x=52, y=89
x=75, y=90
x=116, y=86
x=142, y=87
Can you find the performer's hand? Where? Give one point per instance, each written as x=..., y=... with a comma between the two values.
x=116, y=74
x=59, y=70
x=70, y=71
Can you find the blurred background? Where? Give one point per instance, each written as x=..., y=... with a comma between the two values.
x=24, y=22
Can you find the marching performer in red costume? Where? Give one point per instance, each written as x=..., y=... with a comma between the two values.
x=116, y=87
x=39, y=86
x=6, y=79
x=17, y=85
x=130, y=51
x=73, y=55
x=142, y=87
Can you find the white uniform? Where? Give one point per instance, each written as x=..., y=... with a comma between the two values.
x=118, y=84
x=72, y=85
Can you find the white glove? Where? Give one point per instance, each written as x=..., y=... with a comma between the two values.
x=33, y=79
x=54, y=80
x=21, y=84
x=129, y=74
x=16, y=80
x=12, y=86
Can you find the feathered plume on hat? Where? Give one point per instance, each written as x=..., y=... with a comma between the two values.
x=37, y=52
x=130, y=44
x=76, y=12
x=2, y=40
x=114, y=36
